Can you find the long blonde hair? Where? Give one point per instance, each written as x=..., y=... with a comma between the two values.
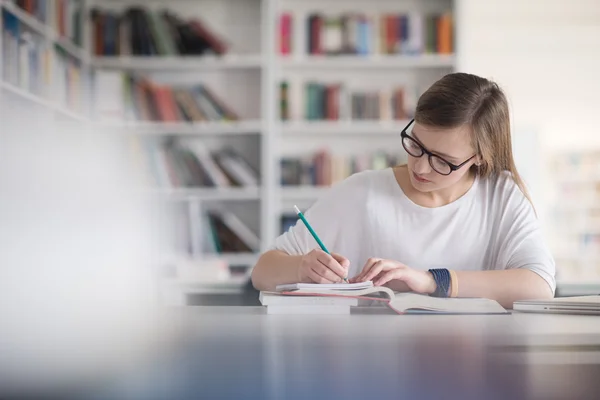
x=460, y=98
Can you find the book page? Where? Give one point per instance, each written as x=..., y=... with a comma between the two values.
x=412, y=301
x=325, y=286
x=374, y=290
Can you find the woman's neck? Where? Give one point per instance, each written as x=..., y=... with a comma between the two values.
x=435, y=198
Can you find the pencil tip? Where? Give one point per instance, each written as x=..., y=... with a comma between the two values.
x=296, y=209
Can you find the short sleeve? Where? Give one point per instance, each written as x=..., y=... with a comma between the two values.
x=327, y=216
x=522, y=240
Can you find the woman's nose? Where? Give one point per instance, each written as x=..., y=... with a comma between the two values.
x=422, y=166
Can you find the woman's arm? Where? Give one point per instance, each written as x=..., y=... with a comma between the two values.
x=274, y=268
x=504, y=286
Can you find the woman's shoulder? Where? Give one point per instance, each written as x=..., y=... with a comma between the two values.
x=502, y=191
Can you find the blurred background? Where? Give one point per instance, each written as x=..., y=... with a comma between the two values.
x=212, y=118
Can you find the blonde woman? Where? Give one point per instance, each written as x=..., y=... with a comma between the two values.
x=456, y=220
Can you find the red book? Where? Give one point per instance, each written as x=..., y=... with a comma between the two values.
x=216, y=44
x=165, y=104
x=285, y=37
x=315, y=35
x=334, y=102
x=392, y=33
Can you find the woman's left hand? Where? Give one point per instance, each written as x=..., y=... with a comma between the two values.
x=396, y=275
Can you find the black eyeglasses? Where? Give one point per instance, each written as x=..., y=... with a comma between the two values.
x=438, y=164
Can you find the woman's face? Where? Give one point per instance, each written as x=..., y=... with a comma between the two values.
x=451, y=145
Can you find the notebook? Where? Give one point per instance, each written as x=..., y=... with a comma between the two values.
x=586, y=305
x=401, y=303
x=276, y=303
x=324, y=286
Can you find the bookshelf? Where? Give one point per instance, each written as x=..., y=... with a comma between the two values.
x=235, y=72
x=348, y=76
x=42, y=66
x=575, y=217
x=45, y=30
x=246, y=77
x=268, y=42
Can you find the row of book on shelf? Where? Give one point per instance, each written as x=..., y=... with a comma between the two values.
x=584, y=164
x=181, y=163
x=363, y=34
x=224, y=232
x=140, y=31
x=336, y=101
x=576, y=213
x=34, y=65
x=126, y=97
x=63, y=16
x=189, y=163
x=216, y=231
x=324, y=168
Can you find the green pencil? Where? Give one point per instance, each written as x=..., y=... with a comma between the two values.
x=313, y=233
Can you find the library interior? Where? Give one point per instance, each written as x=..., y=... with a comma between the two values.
x=152, y=151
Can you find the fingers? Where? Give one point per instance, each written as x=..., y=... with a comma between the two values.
x=368, y=265
x=375, y=270
x=316, y=278
x=344, y=262
x=398, y=274
x=332, y=265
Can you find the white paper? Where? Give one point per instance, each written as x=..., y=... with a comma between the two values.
x=325, y=286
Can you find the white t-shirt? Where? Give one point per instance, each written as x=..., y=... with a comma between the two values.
x=491, y=227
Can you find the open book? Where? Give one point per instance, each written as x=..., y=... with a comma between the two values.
x=400, y=302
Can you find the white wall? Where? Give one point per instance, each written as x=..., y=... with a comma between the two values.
x=546, y=55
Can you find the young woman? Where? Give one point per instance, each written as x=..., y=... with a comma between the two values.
x=455, y=221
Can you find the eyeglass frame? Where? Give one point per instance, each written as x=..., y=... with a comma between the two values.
x=453, y=167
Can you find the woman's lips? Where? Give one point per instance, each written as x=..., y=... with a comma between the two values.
x=418, y=178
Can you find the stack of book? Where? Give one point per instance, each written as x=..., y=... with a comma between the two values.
x=31, y=63
x=278, y=303
x=64, y=16
x=126, y=97
x=218, y=231
x=140, y=31
x=336, y=101
x=226, y=233
x=362, y=34
x=189, y=163
x=325, y=169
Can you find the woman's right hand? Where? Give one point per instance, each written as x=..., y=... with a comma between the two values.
x=320, y=267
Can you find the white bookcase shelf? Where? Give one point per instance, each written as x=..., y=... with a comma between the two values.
x=183, y=63
x=46, y=31
x=212, y=194
x=374, y=62
x=247, y=127
x=343, y=128
x=40, y=101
